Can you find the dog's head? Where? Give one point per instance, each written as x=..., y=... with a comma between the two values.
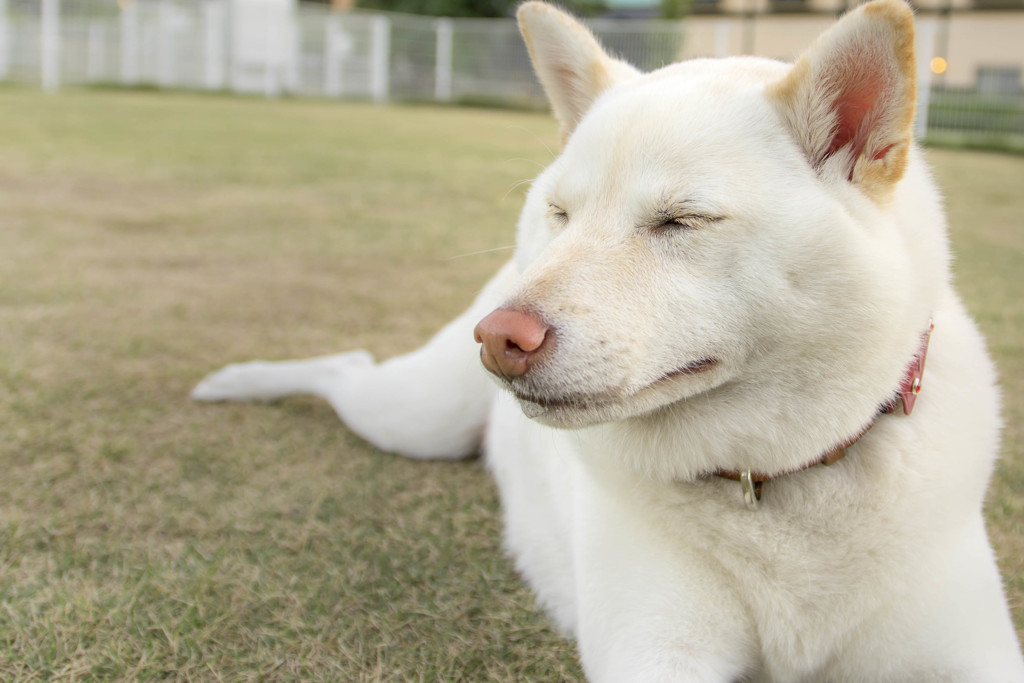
x=722, y=235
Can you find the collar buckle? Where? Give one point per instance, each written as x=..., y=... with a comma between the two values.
x=751, y=489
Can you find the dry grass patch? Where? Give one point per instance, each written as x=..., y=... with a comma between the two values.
x=986, y=211
x=147, y=239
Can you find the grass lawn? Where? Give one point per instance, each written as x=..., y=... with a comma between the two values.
x=146, y=239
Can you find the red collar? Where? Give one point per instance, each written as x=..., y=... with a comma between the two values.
x=906, y=395
x=911, y=385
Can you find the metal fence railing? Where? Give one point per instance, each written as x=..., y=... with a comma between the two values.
x=976, y=115
x=276, y=47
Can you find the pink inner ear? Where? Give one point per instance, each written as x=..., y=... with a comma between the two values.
x=853, y=107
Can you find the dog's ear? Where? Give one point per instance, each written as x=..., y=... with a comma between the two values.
x=571, y=65
x=850, y=98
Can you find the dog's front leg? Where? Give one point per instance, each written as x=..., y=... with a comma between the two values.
x=431, y=403
x=647, y=630
x=650, y=609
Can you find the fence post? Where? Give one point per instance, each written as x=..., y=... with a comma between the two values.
x=5, y=46
x=722, y=29
x=94, y=66
x=443, y=67
x=50, y=44
x=380, y=53
x=926, y=30
x=129, y=42
x=332, y=67
x=272, y=53
x=164, y=45
x=292, y=53
x=749, y=31
x=213, y=45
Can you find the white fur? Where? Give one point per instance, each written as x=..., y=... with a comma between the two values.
x=807, y=277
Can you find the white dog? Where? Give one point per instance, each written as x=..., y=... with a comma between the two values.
x=723, y=285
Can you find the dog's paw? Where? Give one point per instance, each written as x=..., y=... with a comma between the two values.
x=235, y=382
x=263, y=381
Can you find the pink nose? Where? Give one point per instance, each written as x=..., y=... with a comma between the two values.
x=511, y=341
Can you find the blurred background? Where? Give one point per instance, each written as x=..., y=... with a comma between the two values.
x=970, y=52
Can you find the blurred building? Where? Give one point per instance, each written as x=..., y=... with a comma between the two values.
x=974, y=43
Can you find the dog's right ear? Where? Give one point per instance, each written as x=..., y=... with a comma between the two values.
x=571, y=65
x=850, y=99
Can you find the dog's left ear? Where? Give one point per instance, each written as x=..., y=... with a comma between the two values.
x=850, y=98
x=571, y=65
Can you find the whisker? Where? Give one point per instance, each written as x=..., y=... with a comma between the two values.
x=477, y=253
x=539, y=139
x=515, y=186
x=529, y=161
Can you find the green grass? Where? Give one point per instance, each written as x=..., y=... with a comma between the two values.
x=146, y=239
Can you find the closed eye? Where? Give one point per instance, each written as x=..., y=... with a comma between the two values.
x=689, y=221
x=558, y=214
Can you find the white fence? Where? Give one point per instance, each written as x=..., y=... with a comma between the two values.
x=275, y=47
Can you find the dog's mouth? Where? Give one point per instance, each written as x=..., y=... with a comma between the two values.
x=535, y=404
